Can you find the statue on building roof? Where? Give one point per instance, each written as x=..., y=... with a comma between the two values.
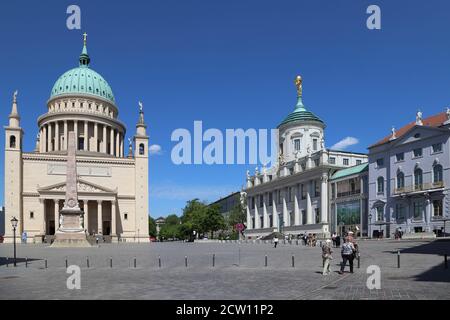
x=299, y=85
x=419, y=118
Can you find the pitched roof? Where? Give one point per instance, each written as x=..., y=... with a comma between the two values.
x=432, y=121
x=350, y=171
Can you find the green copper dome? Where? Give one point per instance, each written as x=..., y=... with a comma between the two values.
x=83, y=80
x=300, y=113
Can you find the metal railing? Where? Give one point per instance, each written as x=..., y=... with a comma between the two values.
x=419, y=187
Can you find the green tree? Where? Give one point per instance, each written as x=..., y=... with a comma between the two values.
x=193, y=215
x=213, y=220
x=151, y=227
x=171, y=228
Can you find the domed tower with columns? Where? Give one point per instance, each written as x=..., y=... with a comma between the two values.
x=112, y=187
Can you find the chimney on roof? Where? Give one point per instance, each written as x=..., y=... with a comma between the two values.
x=393, y=135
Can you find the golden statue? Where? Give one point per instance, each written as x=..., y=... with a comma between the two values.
x=298, y=84
x=85, y=38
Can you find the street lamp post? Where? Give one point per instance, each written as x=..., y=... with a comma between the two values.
x=14, y=222
x=369, y=224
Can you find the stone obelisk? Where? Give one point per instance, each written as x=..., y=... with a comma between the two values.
x=71, y=232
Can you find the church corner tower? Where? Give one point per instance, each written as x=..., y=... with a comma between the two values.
x=13, y=171
x=141, y=142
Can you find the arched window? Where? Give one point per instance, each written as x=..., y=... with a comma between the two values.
x=12, y=141
x=380, y=185
x=418, y=179
x=400, y=180
x=141, y=149
x=437, y=173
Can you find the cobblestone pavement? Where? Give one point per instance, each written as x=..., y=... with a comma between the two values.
x=239, y=272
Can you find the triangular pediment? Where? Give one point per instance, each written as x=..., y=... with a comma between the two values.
x=417, y=133
x=82, y=187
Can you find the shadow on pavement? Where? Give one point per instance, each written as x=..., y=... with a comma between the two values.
x=10, y=261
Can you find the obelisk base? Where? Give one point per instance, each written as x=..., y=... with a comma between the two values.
x=70, y=234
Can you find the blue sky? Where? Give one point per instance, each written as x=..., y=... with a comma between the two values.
x=232, y=64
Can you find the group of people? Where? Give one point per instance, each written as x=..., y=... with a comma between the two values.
x=349, y=252
x=309, y=239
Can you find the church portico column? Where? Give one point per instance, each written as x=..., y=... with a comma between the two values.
x=56, y=203
x=99, y=217
x=44, y=225
x=86, y=215
x=113, y=218
x=56, y=136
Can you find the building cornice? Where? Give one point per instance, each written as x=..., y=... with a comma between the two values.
x=80, y=159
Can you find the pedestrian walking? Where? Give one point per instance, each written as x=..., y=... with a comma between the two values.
x=326, y=257
x=348, y=254
x=333, y=238
x=275, y=241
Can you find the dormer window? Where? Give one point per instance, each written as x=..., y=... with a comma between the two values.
x=315, y=144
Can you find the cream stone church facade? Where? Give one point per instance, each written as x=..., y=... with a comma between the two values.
x=112, y=181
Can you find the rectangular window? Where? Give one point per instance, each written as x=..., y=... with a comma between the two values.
x=380, y=214
x=437, y=147
x=315, y=144
x=253, y=202
x=400, y=211
x=317, y=188
x=303, y=190
x=279, y=196
x=437, y=208
x=297, y=144
x=261, y=221
x=400, y=156
x=345, y=161
x=303, y=217
x=253, y=223
x=317, y=211
x=290, y=194
x=332, y=160
x=358, y=162
x=261, y=200
x=417, y=152
x=271, y=221
x=270, y=198
x=380, y=162
x=417, y=210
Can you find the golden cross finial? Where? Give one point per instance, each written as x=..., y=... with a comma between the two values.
x=298, y=84
x=85, y=38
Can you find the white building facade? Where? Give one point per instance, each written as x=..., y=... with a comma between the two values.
x=112, y=186
x=293, y=197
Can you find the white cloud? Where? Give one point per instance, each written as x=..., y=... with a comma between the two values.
x=155, y=149
x=345, y=143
